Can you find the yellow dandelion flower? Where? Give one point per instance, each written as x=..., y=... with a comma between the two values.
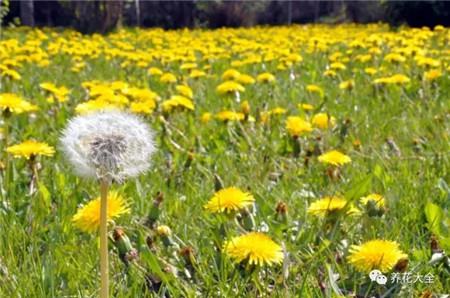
x=195, y=74
x=228, y=200
x=376, y=198
x=370, y=70
x=256, y=248
x=10, y=73
x=323, y=121
x=168, y=78
x=95, y=105
x=230, y=74
x=230, y=87
x=245, y=79
x=335, y=158
x=163, y=230
x=177, y=101
x=337, y=66
x=265, y=78
x=296, y=126
x=330, y=205
x=432, y=75
x=314, y=89
x=376, y=254
x=306, y=106
x=15, y=104
x=347, y=85
x=184, y=90
x=87, y=217
x=230, y=116
x=30, y=148
x=144, y=107
x=206, y=117
x=154, y=71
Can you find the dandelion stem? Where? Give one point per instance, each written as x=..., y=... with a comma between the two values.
x=104, y=239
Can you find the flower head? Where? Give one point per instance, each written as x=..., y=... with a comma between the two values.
x=230, y=87
x=108, y=144
x=229, y=199
x=297, y=126
x=30, y=148
x=323, y=121
x=377, y=254
x=377, y=199
x=335, y=158
x=230, y=116
x=330, y=205
x=87, y=217
x=15, y=104
x=257, y=248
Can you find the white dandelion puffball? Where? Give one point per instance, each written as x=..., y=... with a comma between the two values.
x=108, y=144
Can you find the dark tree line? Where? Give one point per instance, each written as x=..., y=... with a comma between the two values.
x=90, y=16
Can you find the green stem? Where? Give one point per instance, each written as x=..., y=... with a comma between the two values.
x=104, y=238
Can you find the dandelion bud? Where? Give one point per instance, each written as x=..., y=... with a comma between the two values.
x=402, y=265
x=165, y=233
x=357, y=144
x=126, y=251
x=245, y=108
x=187, y=253
x=155, y=209
x=281, y=212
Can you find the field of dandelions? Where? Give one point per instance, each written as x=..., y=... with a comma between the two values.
x=289, y=162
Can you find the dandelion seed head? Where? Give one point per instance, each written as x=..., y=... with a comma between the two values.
x=108, y=144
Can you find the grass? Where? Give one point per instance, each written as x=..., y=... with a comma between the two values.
x=43, y=255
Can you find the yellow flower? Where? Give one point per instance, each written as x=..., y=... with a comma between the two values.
x=31, y=148
x=330, y=73
x=432, y=75
x=395, y=79
x=144, y=107
x=59, y=92
x=163, y=230
x=230, y=74
x=177, y=101
x=347, y=85
x=245, y=79
x=330, y=205
x=337, y=66
x=168, y=78
x=185, y=91
x=230, y=116
x=297, y=126
x=394, y=57
x=245, y=107
x=230, y=87
x=278, y=111
x=10, y=73
x=321, y=120
x=306, y=106
x=154, y=71
x=195, y=74
x=15, y=104
x=265, y=77
x=254, y=247
x=335, y=158
x=206, y=117
x=95, y=105
x=370, y=70
x=87, y=217
x=314, y=89
x=376, y=198
x=228, y=200
x=376, y=254
x=188, y=66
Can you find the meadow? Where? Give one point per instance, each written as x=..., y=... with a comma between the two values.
x=290, y=162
